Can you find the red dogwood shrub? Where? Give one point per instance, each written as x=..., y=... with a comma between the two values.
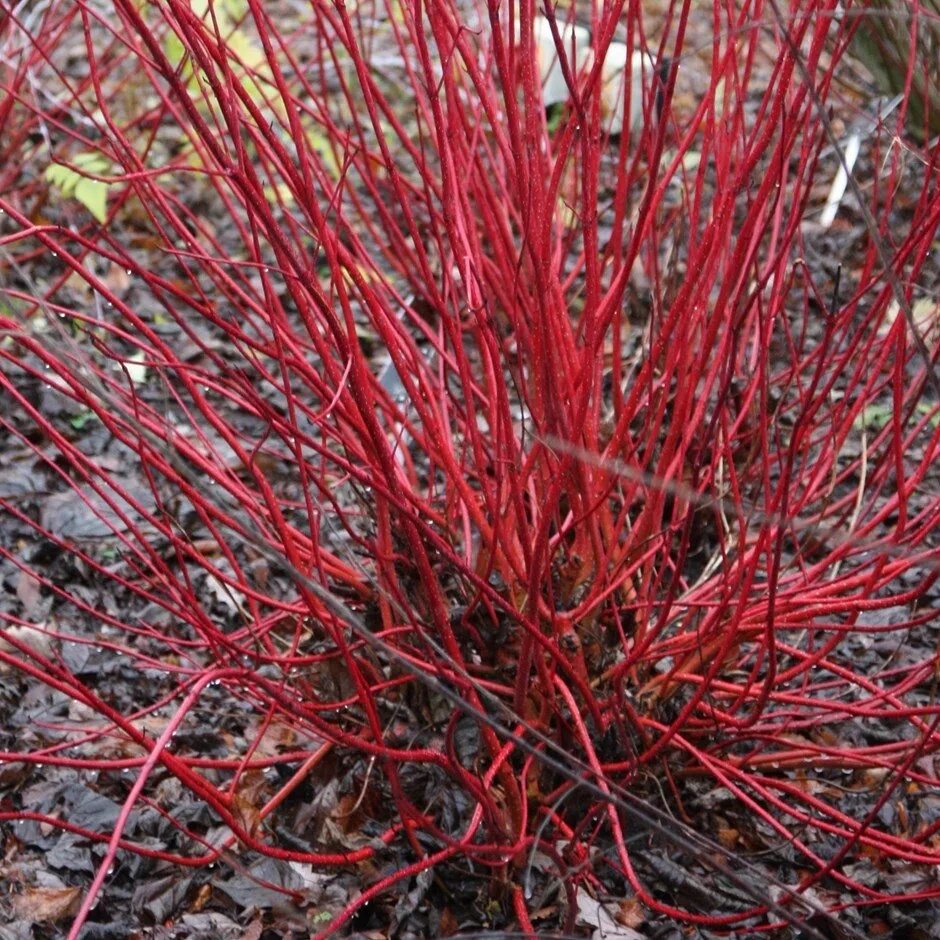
x=566, y=495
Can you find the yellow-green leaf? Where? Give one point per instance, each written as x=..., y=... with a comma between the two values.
x=93, y=195
x=75, y=182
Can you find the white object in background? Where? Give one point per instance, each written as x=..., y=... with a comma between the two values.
x=841, y=182
x=576, y=41
x=614, y=87
x=852, y=146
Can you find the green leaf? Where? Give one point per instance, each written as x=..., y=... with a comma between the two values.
x=74, y=182
x=236, y=9
x=174, y=49
x=92, y=162
x=248, y=53
x=874, y=417
x=93, y=195
x=81, y=419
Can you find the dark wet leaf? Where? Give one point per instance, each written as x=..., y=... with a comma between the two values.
x=76, y=656
x=21, y=930
x=408, y=902
x=109, y=931
x=245, y=890
x=17, y=479
x=91, y=810
x=72, y=854
x=209, y=926
x=82, y=513
x=159, y=900
x=328, y=891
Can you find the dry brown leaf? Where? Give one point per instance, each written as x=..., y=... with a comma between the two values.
x=203, y=896
x=728, y=837
x=631, y=912
x=46, y=905
x=118, y=280
x=277, y=738
x=449, y=924
x=249, y=799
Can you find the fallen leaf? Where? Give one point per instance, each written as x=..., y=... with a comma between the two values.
x=252, y=931
x=203, y=896
x=46, y=905
x=592, y=913
x=118, y=280
x=249, y=799
x=925, y=312
x=211, y=924
x=449, y=924
x=35, y=638
x=81, y=513
x=162, y=898
x=29, y=592
x=278, y=736
x=631, y=912
x=226, y=596
x=136, y=367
